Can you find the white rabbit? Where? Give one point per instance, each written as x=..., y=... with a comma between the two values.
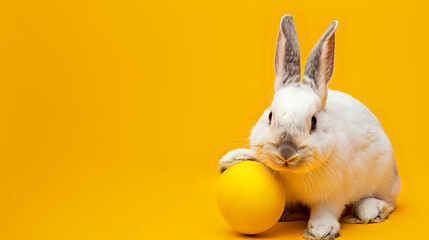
x=328, y=147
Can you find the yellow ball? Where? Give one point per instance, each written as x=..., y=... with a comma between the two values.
x=251, y=197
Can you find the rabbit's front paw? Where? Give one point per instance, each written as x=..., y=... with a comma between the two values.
x=234, y=157
x=322, y=229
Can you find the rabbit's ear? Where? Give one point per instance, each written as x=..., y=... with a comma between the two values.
x=320, y=63
x=287, y=60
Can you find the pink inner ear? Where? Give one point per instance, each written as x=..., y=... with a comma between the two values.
x=326, y=62
x=280, y=54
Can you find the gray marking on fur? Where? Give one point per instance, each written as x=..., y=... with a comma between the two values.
x=287, y=149
x=395, y=170
x=295, y=211
x=309, y=82
x=287, y=58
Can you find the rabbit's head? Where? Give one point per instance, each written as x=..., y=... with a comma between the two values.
x=295, y=133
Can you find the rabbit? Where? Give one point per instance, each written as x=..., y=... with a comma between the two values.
x=330, y=149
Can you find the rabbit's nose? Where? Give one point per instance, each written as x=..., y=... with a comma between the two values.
x=287, y=150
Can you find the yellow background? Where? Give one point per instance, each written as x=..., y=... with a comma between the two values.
x=113, y=114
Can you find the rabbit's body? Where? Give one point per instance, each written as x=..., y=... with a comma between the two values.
x=329, y=148
x=358, y=165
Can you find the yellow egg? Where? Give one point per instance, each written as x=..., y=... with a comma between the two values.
x=251, y=197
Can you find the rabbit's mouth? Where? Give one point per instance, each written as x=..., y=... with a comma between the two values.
x=290, y=161
x=301, y=162
x=279, y=163
x=298, y=162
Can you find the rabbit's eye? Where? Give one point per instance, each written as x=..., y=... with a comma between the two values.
x=313, y=122
x=270, y=116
